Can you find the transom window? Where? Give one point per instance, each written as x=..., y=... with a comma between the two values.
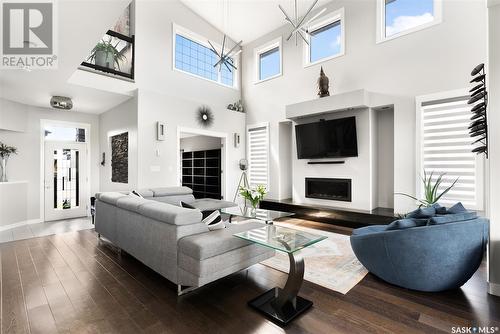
x=268, y=58
x=60, y=133
x=326, y=39
x=401, y=17
x=194, y=57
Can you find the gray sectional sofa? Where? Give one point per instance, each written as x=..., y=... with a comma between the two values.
x=171, y=239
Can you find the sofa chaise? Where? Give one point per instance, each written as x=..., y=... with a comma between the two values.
x=172, y=240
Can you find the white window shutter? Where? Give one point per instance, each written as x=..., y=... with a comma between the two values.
x=258, y=155
x=445, y=147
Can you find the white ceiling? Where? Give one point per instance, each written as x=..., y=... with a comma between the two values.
x=247, y=20
x=82, y=24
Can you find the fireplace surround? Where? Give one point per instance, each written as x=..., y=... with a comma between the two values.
x=329, y=189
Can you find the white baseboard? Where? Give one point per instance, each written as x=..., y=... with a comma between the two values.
x=21, y=223
x=494, y=289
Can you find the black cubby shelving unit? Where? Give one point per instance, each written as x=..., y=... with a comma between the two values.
x=201, y=171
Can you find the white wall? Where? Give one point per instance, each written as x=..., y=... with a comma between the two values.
x=431, y=60
x=12, y=115
x=384, y=158
x=26, y=164
x=122, y=118
x=200, y=143
x=174, y=97
x=285, y=158
x=493, y=71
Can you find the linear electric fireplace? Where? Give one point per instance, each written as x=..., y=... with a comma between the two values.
x=332, y=189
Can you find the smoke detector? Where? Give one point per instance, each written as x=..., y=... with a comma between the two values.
x=61, y=102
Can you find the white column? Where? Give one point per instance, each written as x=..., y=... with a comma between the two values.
x=493, y=73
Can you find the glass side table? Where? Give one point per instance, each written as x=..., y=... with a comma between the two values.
x=283, y=305
x=264, y=215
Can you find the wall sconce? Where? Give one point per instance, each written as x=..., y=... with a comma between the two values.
x=160, y=131
x=103, y=162
x=236, y=140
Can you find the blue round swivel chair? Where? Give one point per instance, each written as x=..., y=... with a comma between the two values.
x=425, y=258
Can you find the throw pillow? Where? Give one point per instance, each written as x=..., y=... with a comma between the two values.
x=452, y=218
x=426, y=212
x=204, y=214
x=440, y=210
x=402, y=224
x=135, y=193
x=457, y=208
x=214, y=221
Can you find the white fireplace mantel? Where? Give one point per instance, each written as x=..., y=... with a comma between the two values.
x=353, y=100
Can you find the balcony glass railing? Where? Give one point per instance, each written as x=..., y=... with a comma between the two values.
x=114, y=54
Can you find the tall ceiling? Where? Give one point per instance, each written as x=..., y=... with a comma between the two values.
x=82, y=24
x=247, y=20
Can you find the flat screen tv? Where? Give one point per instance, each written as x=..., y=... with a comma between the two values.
x=327, y=139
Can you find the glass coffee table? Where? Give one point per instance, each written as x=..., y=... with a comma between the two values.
x=283, y=305
x=267, y=216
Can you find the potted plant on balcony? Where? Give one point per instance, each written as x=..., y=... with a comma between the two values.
x=5, y=152
x=105, y=54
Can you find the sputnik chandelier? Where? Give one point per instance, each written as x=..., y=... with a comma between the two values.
x=299, y=24
x=226, y=59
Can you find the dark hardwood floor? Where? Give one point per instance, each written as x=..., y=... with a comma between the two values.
x=75, y=283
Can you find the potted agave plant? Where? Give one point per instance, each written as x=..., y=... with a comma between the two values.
x=5, y=152
x=432, y=193
x=105, y=54
x=253, y=195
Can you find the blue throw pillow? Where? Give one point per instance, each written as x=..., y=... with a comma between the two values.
x=452, y=218
x=427, y=212
x=440, y=210
x=457, y=208
x=402, y=224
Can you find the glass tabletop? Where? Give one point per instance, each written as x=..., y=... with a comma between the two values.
x=280, y=238
x=261, y=214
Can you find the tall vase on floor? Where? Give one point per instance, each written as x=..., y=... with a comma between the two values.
x=3, y=167
x=5, y=152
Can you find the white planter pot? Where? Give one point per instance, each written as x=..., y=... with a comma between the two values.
x=104, y=59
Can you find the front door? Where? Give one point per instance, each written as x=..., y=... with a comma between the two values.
x=65, y=180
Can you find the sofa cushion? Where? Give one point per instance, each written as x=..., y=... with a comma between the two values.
x=145, y=192
x=457, y=208
x=111, y=197
x=131, y=202
x=369, y=229
x=169, y=213
x=171, y=191
x=209, y=204
x=175, y=199
x=204, y=214
x=426, y=212
x=402, y=224
x=452, y=218
x=205, y=245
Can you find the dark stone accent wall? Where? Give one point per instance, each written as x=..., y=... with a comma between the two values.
x=119, y=158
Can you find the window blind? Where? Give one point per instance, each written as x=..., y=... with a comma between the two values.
x=446, y=148
x=258, y=155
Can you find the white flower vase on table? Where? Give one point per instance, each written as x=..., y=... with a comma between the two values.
x=253, y=195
